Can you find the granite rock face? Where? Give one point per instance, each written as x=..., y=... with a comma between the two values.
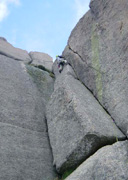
x=110, y=162
x=97, y=51
x=44, y=82
x=25, y=150
x=86, y=113
x=8, y=50
x=43, y=59
x=77, y=123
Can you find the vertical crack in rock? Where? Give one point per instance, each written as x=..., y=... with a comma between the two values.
x=99, y=74
x=25, y=150
x=96, y=67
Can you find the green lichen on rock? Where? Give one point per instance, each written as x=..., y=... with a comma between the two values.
x=52, y=75
x=96, y=62
x=42, y=79
x=36, y=74
x=44, y=69
x=64, y=175
x=67, y=173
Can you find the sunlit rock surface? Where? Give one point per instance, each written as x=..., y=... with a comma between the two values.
x=97, y=51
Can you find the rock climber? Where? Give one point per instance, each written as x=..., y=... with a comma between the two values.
x=61, y=62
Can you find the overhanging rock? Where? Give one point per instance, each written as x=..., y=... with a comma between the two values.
x=8, y=50
x=43, y=59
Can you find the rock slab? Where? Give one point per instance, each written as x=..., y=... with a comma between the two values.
x=8, y=50
x=25, y=150
x=43, y=59
x=77, y=124
x=110, y=162
x=97, y=50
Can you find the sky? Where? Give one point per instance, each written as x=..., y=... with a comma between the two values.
x=40, y=25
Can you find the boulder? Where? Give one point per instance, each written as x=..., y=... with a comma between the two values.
x=25, y=150
x=18, y=54
x=110, y=162
x=77, y=123
x=97, y=51
x=2, y=38
x=43, y=59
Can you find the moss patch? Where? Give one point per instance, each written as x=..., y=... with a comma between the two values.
x=52, y=75
x=44, y=69
x=42, y=79
x=67, y=173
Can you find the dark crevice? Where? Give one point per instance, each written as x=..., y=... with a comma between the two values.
x=58, y=175
x=30, y=58
x=101, y=143
x=41, y=67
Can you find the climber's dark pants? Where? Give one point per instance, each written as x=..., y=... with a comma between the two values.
x=60, y=66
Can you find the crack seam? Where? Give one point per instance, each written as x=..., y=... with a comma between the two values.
x=93, y=94
x=75, y=52
x=27, y=129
